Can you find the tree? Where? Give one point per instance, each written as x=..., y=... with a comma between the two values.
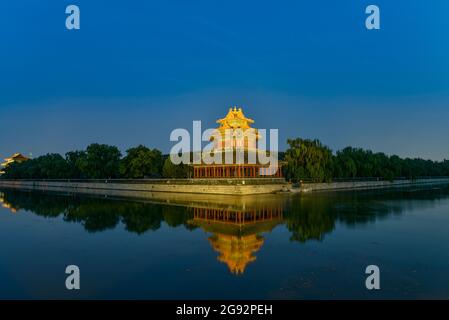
x=344, y=166
x=102, y=162
x=171, y=170
x=49, y=166
x=141, y=162
x=77, y=164
x=308, y=159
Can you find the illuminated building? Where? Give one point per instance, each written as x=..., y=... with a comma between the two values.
x=236, y=137
x=15, y=158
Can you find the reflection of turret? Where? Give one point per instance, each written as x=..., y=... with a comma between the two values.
x=236, y=234
x=5, y=204
x=236, y=251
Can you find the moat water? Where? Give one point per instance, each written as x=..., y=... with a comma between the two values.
x=312, y=246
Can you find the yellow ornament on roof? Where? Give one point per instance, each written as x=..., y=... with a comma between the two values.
x=235, y=119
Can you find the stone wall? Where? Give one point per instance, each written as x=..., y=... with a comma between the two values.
x=143, y=187
x=362, y=185
x=147, y=188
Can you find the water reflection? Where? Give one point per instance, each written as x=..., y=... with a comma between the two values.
x=237, y=225
x=6, y=204
x=236, y=234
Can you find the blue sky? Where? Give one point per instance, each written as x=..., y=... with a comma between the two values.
x=137, y=70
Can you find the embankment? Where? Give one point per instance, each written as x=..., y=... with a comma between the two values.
x=366, y=185
x=142, y=188
x=146, y=188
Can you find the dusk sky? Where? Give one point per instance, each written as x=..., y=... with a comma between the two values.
x=136, y=70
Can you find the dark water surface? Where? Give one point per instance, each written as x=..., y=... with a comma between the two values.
x=200, y=247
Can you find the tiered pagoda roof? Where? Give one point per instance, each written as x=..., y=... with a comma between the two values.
x=235, y=119
x=16, y=157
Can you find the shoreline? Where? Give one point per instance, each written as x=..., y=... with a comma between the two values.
x=235, y=187
x=368, y=185
x=145, y=188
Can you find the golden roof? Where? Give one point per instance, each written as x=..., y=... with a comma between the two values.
x=16, y=157
x=235, y=119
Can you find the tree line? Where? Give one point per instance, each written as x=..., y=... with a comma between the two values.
x=311, y=160
x=99, y=161
x=305, y=159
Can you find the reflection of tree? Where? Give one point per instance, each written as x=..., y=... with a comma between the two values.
x=311, y=216
x=97, y=214
x=40, y=203
x=174, y=215
x=139, y=217
x=307, y=217
x=94, y=215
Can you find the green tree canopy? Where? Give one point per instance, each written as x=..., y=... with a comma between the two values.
x=49, y=166
x=141, y=162
x=171, y=170
x=308, y=159
x=102, y=161
x=77, y=164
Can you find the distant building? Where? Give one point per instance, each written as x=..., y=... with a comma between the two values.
x=15, y=158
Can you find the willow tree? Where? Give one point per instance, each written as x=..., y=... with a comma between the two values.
x=308, y=160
